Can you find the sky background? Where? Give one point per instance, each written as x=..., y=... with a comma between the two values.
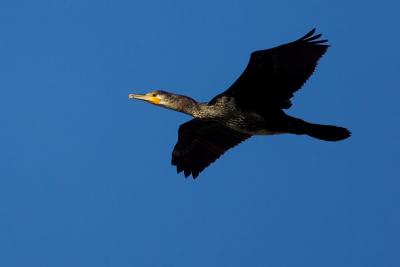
x=85, y=174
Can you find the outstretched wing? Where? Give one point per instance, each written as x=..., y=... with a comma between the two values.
x=273, y=75
x=200, y=143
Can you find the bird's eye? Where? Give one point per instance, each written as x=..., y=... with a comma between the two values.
x=154, y=95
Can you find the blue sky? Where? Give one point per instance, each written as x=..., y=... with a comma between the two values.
x=85, y=173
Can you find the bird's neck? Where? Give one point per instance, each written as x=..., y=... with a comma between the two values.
x=189, y=106
x=219, y=109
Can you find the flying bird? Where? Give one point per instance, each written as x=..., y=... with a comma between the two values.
x=252, y=105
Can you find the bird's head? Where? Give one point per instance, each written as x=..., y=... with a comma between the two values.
x=167, y=100
x=155, y=97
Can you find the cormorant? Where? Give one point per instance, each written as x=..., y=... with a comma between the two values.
x=252, y=105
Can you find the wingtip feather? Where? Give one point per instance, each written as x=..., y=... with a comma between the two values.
x=313, y=39
x=310, y=33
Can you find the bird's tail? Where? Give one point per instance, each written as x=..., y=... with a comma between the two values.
x=319, y=131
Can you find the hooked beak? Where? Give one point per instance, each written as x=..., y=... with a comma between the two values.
x=147, y=97
x=135, y=96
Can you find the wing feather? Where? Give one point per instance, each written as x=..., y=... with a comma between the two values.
x=200, y=143
x=273, y=75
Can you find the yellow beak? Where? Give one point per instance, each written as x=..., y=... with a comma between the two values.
x=147, y=97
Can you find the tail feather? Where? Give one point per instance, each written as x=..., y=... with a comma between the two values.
x=319, y=131
x=326, y=132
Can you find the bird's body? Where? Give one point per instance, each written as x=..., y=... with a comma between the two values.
x=253, y=105
x=225, y=111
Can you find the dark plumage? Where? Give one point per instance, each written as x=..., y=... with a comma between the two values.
x=252, y=105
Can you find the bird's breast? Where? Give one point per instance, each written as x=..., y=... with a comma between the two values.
x=249, y=123
x=225, y=111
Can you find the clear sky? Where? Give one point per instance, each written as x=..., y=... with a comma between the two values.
x=85, y=174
